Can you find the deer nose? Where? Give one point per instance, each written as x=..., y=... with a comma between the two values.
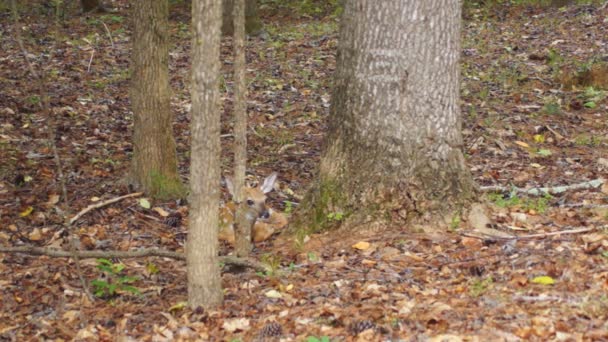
x=265, y=214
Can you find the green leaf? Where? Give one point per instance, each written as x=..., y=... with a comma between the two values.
x=127, y=279
x=590, y=104
x=131, y=289
x=118, y=268
x=144, y=203
x=106, y=269
x=544, y=152
x=543, y=280
x=152, y=268
x=112, y=289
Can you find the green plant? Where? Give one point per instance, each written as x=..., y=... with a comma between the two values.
x=115, y=282
x=112, y=18
x=592, y=96
x=318, y=339
x=312, y=257
x=540, y=205
x=586, y=140
x=455, y=223
x=552, y=108
x=288, y=207
x=337, y=216
x=273, y=262
x=479, y=286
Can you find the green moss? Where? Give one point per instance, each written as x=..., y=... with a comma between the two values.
x=163, y=187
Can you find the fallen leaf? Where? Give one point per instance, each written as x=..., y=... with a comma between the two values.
x=178, y=306
x=144, y=203
x=522, y=144
x=53, y=199
x=273, y=294
x=232, y=325
x=35, y=235
x=27, y=211
x=361, y=245
x=543, y=280
x=160, y=211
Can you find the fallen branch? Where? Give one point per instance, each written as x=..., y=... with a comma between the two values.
x=146, y=252
x=553, y=190
x=532, y=236
x=102, y=204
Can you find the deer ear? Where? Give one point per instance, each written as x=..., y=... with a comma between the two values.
x=268, y=184
x=229, y=185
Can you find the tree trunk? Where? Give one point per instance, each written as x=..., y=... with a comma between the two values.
x=242, y=224
x=204, y=281
x=393, y=151
x=90, y=5
x=154, y=156
x=253, y=24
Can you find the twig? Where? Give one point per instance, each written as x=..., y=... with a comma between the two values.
x=532, y=236
x=102, y=204
x=19, y=39
x=83, y=281
x=109, y=34
x=146, y=252
x=553, y=190
x=90, y=60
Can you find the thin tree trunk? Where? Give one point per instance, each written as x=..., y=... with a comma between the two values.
x=154, y=156
x=242, y=225
x=393, y=151
x=204, y=281
x=253, y=24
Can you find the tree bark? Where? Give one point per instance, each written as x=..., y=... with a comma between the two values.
x=154, y=156
x=253, y=24
x=393, y=150
x=91, y=5
x=204, y=281
x=242, y=225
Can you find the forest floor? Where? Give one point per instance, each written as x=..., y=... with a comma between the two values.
x=534, y=84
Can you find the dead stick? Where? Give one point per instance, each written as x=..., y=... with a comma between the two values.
x=532, y=236
x=596, y=183
x=102, y=204
x=146, y=252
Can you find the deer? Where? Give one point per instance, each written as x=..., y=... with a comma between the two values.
x=265, y=220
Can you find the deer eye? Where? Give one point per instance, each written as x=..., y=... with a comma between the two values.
x=250, y=202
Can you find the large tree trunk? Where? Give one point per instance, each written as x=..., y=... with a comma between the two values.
x=393, y=150
x=154, y=156
x=253, y=24
x=204, y=281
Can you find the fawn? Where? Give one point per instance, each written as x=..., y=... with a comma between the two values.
x=267, y=221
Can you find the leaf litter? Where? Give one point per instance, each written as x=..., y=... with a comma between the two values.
x=532, y=119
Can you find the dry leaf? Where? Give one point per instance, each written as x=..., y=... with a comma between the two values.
x=35, y=235
x=232, y=325
x=361, y=245
x=160, y=211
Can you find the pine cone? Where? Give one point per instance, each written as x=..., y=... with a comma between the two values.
x=173, y=220
x=272, y=329
x=359, y=326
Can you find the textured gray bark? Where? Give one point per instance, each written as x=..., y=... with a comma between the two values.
x=154, y=167
x=253, y=24
x=204, y=281
x=393, y=151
